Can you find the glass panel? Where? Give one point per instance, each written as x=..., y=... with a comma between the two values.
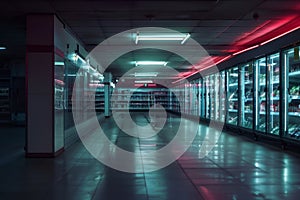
x=202, y=98
x=59, y=102
x=260, y=95
x=216, y=93
x=292, y=68
x=187, y=101
x=222, y=96
x=273, y=94
x=207, y=97
x=232, y=95
x=247, y=96
x=213, y=100
x=195, y=98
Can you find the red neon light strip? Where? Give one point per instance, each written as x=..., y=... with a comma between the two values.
x=239, y=52
x=278, y=36
x=223, y=59
x=247, y=49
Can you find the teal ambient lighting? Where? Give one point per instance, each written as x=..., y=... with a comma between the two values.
x=155, y=37
x=139, y=63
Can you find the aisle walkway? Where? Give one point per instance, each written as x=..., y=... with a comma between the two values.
x=237, y=168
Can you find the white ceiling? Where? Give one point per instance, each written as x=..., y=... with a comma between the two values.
x=221, y=26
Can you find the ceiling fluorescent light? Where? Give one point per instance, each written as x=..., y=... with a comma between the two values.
x=145, y=74
x=143, y=81
x=178, y=37
x=185, y=39
x=57, y=63
x=2, y=48
x=139, y=63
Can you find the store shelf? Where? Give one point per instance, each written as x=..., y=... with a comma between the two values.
x=296, y=73
x=134, y=99
x=294, y=114
x=5, y=99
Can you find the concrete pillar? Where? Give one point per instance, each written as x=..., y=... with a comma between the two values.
x=44, y=128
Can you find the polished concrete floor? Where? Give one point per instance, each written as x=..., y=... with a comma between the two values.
x=237, y=168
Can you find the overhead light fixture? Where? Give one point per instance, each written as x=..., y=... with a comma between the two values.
x=145, y=74
x=143, y=81
x=187, y=36
x=2, y=48
x=139, y=63
x=160, y=37
x=57, y=63
x=70, y=75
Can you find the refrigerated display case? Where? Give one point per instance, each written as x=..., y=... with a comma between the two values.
x=99, y=97
x=232, y=95
x=222, y=96
x=260, y=95
x=273, y=92
x=201, y=98
x=195, y=98
x=246, y=96
x=178, y=96
x=5, y=96
x=215, y=87
x=59, y=102
x=207, y=97
x=212, y=97
x=292, y=94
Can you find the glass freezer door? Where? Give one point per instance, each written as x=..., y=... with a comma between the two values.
x=292, y=95
x=222, y=96
x=246, y=118
x=207, y=97
x=232, y=95
x=216, y=90
x=260, y=94
x=213, y=102
x=202, y=98
x=273, y=102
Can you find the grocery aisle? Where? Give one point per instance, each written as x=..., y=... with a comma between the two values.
x=237, y=168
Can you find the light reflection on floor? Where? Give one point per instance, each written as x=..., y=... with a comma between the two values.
x=236, y=168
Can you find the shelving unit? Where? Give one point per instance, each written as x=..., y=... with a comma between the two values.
x=273, y=94
x=232, y=95
x=213, y=96
x=246, y=103
x=136, y=99
x=292, y=82
x=207, y=97
x=5, y=96
x=59, y=100
x=99, y=98
x=260, y=95
x=202, y=98
x=222, y=95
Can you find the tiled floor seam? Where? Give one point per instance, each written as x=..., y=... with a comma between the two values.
x=188, y=177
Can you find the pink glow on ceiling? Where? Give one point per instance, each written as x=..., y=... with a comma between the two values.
x=264, y=32
x=205, y=63
x=264, y=29
x=241, y=40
